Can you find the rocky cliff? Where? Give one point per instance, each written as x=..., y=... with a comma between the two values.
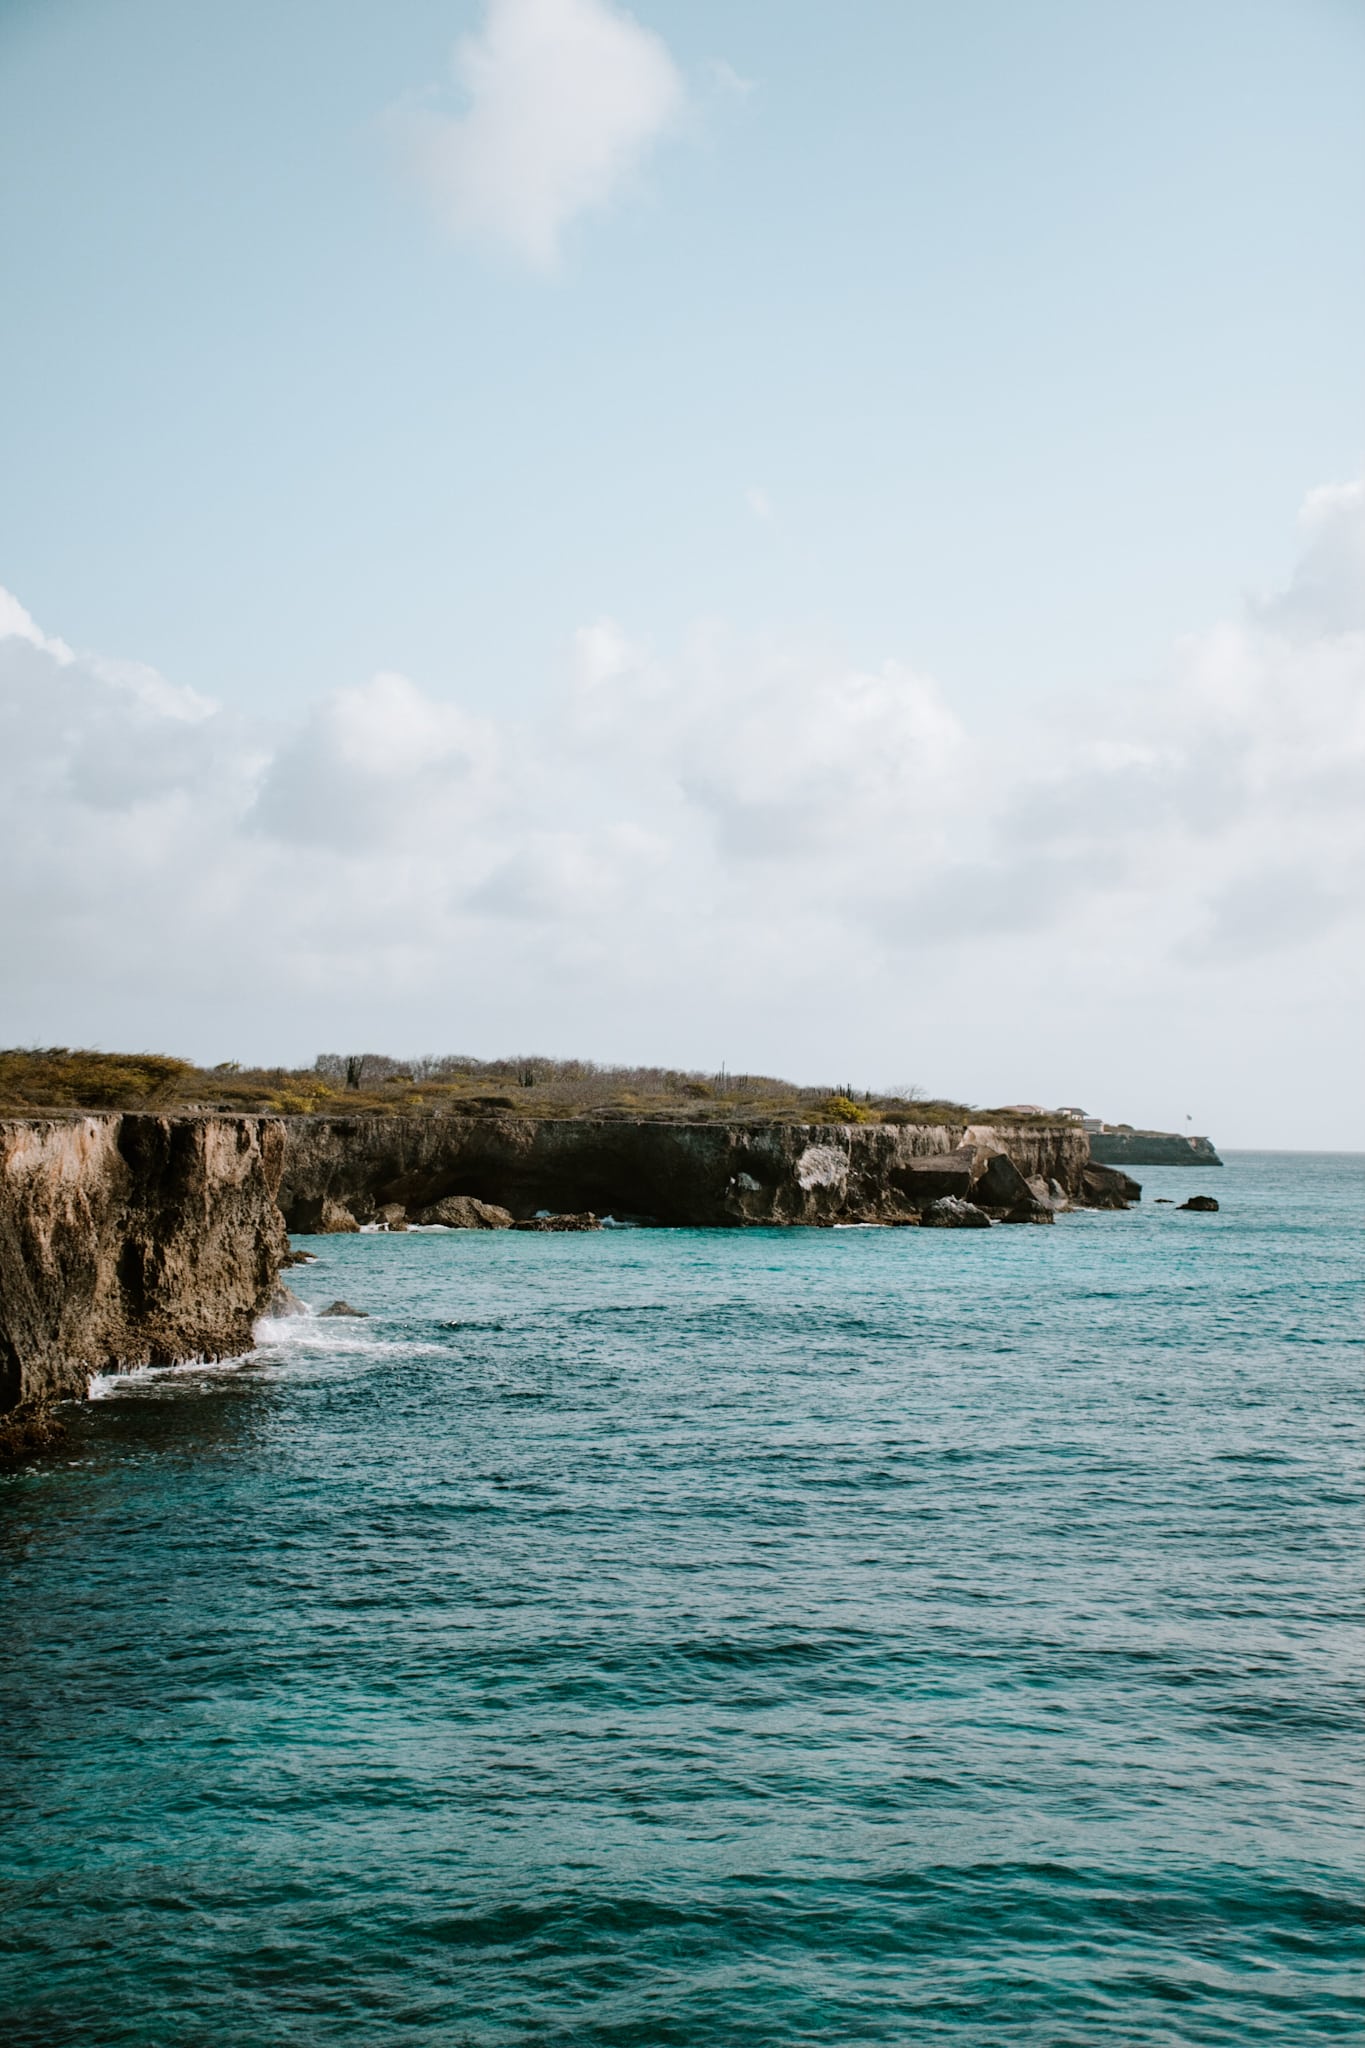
x=340, y=1169
x=1151, y=1148
x=129, y=1240
x=142, y=1239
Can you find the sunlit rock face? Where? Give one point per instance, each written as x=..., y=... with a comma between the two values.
x=132, y=1240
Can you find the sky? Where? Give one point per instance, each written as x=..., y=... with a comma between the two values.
x=828, y=541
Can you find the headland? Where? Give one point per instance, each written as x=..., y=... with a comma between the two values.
x=144, y=1203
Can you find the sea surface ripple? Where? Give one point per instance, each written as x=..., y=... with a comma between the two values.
x=704, y=1637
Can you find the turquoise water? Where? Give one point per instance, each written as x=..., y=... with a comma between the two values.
x=839, y=1637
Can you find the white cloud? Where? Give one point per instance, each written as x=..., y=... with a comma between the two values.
x=378, y=765
x=1327, y=594
x=741, y=832
x=16, y=624
x=564, y=98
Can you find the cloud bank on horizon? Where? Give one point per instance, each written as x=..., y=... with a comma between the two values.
x=739, y=840
x=563, y=101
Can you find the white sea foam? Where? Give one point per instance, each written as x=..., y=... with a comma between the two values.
x=104, y=1386
x=283, y=1345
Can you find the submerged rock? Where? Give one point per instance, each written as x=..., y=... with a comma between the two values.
x=951, y=1213
x=586, y=1221
x=27, y=1431
x=1205, y=1204
x=343, y=1308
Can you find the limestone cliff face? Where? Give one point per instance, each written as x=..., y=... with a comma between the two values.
x=670, y=1173
x=141, y=1239
x=129, y=1240
x=1151, y=1148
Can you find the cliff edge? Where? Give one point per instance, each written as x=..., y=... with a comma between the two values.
x=132, y=1240
x=1151, y=1148
x=135, y=1238
x=697, y=1175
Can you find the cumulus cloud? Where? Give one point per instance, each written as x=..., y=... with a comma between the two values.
x=1327, y=594
x=563, y=99
x=380, y=765
x=736, y=824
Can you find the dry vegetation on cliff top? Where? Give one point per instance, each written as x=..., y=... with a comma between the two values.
x=372, y=1084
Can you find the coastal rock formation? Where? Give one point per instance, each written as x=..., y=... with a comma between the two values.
x=588, y=1222
x=691, y=1174
x=143, y=1239
x=1000, y=1185
x=1205, y=1204
x=948, y=1213
x=284, y=1302
x=1151, y=1148
x=29, y=1430
x=1103, y=1187
x=324, y=1219
x=463, y=1212
x=132, y=1240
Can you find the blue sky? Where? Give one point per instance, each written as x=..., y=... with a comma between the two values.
x=1032, y=322
x=998, y=342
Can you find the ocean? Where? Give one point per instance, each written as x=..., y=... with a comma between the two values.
x=649, y=1637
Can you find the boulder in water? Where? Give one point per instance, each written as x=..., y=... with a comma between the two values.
x=1205, y=1204
x=1104, y=1187
x=586, y=1221
x=465, y=1212
x=27, y=1430
x=950, y=1212
x=343, y=1308
x=320, y=1216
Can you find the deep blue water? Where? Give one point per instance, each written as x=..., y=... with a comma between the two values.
x=765, y=1637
